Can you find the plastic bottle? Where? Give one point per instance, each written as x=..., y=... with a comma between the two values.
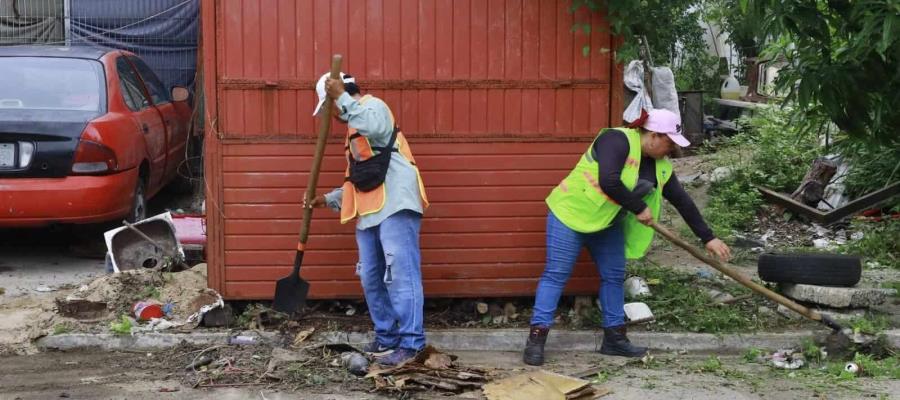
x=731, y=88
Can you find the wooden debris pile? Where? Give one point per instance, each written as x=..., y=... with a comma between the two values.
x=431, y=370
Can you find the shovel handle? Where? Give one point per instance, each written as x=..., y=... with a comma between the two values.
x=741, y=278
x=324, y=128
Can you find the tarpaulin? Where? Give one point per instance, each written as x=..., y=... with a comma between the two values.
x=31, y=21
x=162, y=32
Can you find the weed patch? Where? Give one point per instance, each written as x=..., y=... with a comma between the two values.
x=150, y=292
x=753, y=355
x=680, y=302
x=870, y=324
x=61, y=328
x=769, y=151
x=122, y=326
x=879, y=243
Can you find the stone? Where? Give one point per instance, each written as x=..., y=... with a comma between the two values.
x=720, y=174
x=837, y=297
x=765, y=311
x=719, y=297
x=748, y=242
x=788, y=313
x=822, y=243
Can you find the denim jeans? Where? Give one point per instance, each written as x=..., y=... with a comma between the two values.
x=390, y=272
x=607, y=249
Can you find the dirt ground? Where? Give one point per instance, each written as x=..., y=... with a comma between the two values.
x=98, y=375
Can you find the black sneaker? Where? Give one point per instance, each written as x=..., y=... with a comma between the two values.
x=376, y=349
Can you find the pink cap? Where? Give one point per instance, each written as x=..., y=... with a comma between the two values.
x=668, y=123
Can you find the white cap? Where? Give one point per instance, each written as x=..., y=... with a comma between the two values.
x=320, y=89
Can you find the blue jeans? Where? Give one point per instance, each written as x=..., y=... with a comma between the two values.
x=390, y=272
x=607, y=248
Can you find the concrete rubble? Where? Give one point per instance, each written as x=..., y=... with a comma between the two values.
x=837, y=297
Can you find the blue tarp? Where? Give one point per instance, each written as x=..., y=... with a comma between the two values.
x=162, y=32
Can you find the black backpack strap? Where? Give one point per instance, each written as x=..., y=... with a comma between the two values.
x=391, y=142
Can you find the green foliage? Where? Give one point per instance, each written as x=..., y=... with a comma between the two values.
x=892, y=285
x=843, y=60
x=61, y=328
x=811, y=351
x=122, y=326
x=869, y=366
x=781, y=152
x=680, y=302
x=150, y=292
x=872, y=167
x=879, y=243
x=769, y=151
x=673, y=31
x=733, y=205
x=753, y=354
x=871, y=324
x=712, y=364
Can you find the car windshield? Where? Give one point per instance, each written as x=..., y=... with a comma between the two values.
x=45, y=83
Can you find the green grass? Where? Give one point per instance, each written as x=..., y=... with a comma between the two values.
x=150, y=292
x=680, y=302
x=879, y=243
x=753, y=354
x=61, y=328
x=122, y=326
x=870, y=324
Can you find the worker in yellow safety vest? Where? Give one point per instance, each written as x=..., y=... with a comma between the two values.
x=605, y=204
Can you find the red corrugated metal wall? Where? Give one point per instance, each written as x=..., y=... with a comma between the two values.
x=495, y=96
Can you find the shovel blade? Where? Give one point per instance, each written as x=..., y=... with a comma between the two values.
x=291, y=291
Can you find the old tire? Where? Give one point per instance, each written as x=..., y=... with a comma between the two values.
x=138, y=203
x=811, y=269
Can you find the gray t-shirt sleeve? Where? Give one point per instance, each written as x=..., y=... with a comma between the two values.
x=372, y=119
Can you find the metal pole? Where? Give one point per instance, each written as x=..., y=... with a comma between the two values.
x=67, y=11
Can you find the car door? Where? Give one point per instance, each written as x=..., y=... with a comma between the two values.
x=176, y=129
x=149, y=121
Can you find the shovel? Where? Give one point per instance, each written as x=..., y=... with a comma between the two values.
x=747, y=282
x=291, y=291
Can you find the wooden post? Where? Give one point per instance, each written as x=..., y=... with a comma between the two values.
x=812, y=188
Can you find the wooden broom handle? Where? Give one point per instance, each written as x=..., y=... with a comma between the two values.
x=324, y=128
x=739, y=277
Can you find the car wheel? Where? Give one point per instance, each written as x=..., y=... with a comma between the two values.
x=138, y=203
x=810, y=269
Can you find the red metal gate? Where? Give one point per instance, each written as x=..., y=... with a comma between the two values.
x=495, y=96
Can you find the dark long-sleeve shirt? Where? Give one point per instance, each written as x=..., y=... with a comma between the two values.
x=611, y=150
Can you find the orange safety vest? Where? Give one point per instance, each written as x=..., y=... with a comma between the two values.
x=357, y=203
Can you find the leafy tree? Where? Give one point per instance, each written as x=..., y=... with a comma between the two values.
x=673, y=31
x=844, y=60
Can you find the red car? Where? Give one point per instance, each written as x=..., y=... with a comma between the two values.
x=86, y=135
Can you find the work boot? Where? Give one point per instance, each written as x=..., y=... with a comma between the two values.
x=615, y=343
x=534, y=346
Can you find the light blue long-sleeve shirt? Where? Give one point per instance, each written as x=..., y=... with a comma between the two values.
x=373, y=120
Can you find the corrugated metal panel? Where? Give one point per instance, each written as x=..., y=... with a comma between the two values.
x=494, y=95
x=451, y=67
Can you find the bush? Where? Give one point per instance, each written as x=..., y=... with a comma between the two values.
x=782, y=152
x=879, y=243
x=872, y=167
x=771, y=151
